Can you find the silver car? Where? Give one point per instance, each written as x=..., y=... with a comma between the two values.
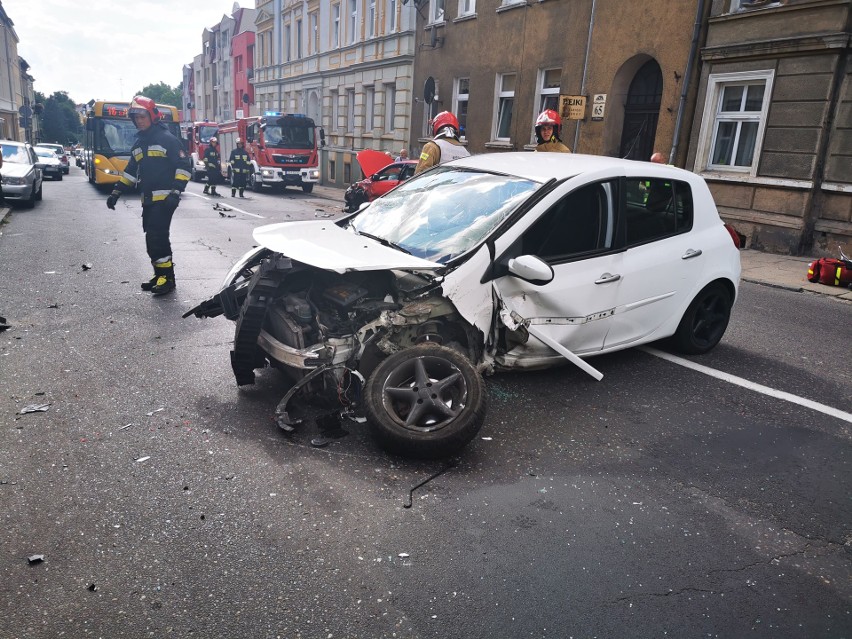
x=61, y=153
x=49, y=163
x=22, y=178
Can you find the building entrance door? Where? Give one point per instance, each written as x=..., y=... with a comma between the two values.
x=642, y=112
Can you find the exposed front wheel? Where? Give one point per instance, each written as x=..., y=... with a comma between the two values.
x=307, y=187
x=254, y=185
x=705, y=320
x=425, y=401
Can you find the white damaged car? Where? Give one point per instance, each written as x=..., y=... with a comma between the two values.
x=489, y=263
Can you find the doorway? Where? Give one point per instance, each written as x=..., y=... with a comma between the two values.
x=641, y=113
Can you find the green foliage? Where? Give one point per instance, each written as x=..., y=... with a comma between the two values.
x=162, y=93
x=60, y=121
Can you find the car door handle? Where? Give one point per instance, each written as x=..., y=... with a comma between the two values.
x=607, y=277
x=690, y=253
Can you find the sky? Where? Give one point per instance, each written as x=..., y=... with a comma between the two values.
x=111, y=49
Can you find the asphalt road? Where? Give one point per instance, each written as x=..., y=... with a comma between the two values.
x=659, y=502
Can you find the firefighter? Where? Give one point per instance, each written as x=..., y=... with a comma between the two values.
x=240, y=168
x=160, y=168
x=213, y=164
x=548, y=126
x=445, y=144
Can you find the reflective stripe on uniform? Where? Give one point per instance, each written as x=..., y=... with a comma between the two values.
x=127, y=179
x=183, y=175
x=158, y=196
x=137, y=154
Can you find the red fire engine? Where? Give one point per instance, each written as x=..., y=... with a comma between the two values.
x=283, y=149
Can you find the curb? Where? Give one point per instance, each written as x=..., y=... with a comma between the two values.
x=4, y=211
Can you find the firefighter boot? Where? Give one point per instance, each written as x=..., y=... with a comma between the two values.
x=233, y=192
x=165, y=278
x=241, y=192
x=206, y=189
x=147, y=286
x=213, y=192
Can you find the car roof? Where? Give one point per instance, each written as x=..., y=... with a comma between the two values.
x=541, y=167
x=14, y=142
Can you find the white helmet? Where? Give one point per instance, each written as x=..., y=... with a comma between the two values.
x=239, y=140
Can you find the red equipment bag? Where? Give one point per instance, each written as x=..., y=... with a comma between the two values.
x=831, y=271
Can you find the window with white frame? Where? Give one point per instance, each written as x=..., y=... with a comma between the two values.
x=461, y=97
x=735, y=113
x=393, y=22
x=313, y=37
x=369, y=108
x=548, y=93
x=287, y=43
x=436, y=11
x=467, y=7
x=353, y=21
x=504, y=106
x=350, y=110
x=371, y=18
x=335, y=26
x=390, y=107
x=335, y=111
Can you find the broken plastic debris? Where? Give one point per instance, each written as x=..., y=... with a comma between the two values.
x=126, y=426
x=86, y=266
x=3, y=324
x=35, y=559
x=92, y=587
x=403, y=555
x=34, y=408
x=154, y=411
x=487, y=439
x=141, y=459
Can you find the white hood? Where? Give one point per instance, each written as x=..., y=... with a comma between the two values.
x=327, y=246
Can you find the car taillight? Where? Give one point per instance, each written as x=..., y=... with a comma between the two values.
x=734, y=235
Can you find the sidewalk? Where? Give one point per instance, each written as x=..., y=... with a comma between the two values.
x=781, y=271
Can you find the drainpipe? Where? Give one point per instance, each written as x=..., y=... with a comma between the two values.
x=687, y=74
x=585, y=69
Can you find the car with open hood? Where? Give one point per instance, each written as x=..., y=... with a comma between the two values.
x=383, y=174
x=21, y=175
x=490, y=263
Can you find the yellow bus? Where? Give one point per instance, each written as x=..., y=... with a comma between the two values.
x=109, y=137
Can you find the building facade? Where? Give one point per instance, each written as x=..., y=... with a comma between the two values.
x=348, y=64
x=773, y=128
x=10, y=80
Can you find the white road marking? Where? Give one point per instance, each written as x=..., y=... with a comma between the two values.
x=758, y=388
x=230, y=206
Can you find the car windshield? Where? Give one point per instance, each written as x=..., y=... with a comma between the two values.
x=207, y=132
x=45, y=153
x=444, y=213
x=16, y=154
x=55, y=149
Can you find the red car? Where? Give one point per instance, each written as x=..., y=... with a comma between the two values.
x=384, y=174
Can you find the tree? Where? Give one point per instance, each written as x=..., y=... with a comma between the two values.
x=162, y=93
x=60, y=121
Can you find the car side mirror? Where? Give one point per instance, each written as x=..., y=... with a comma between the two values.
x=531, y=268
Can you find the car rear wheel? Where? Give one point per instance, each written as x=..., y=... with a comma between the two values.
x=425, y=401
x=705, y=320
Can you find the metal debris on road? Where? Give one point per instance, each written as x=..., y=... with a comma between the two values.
x=87, y=266
x=321, y=213
x=126, y=426
x=223, y=215
x=35, y=559
x=142, y=459
x=410, y=501
x=154, y=411
x=92, y=587
x=34, y=408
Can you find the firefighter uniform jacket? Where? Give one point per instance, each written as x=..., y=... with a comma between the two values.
x=438, y=151
x=158, y=165
x=554, y=146
x=240, y=166
x=213, y=163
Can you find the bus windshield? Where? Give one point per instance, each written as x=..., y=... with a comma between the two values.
x=287, y=134
x=114, y=136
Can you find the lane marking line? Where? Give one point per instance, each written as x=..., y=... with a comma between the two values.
x=233, y=208
x=753, y=386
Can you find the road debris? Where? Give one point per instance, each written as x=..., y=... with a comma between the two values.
x=142, y=459
x=223, y=215
x=87, y=266
x=35, y=559
x=34, y=408
x=3, y=324
x=126, y=426
x=154, y=411
x=409, y=502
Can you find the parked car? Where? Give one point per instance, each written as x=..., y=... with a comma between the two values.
x=60, y=152
x=489, y=263
x=383, y=174
x=22, y=177
x=49, y=163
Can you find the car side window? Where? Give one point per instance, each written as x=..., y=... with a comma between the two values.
x=656, y=208
x=580, y=223
x=407, y=172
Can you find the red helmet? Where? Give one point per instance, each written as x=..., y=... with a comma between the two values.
x=551, y=117
x=445, y=119
x=141, y=104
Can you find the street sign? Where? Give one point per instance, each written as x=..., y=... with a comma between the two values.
x=26, y=111
x=572, y=107
x=598, y=106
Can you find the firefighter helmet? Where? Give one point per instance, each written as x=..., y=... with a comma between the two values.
x=140, y=104
x=443, y=121
x=551, y=118
x=214, y=140
x=239, y=140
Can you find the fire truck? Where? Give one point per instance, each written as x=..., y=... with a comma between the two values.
x=198, y=136
x=283, y=149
